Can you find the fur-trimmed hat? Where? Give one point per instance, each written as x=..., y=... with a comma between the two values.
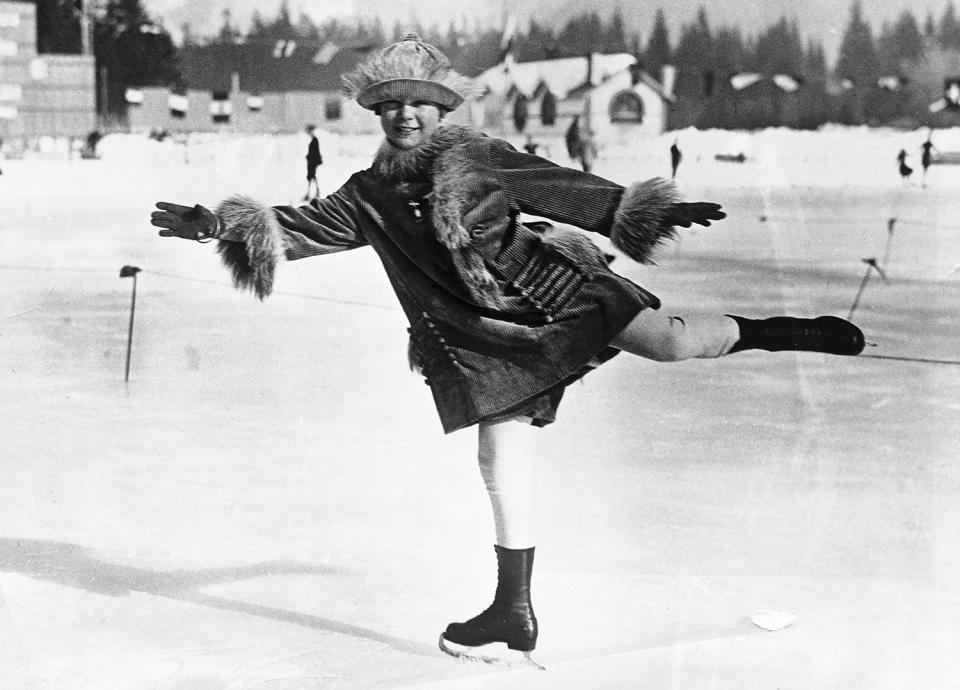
x=410, y=69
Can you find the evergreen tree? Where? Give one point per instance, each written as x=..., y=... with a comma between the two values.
x=729, y=59
x=228, y=34
x=539, y=43
x=857, y=62
x=307, y=30
x=814, y=63
x=131, y=51
x=480, y=53
x=729, y=52
x=696, y=74
x=857, y=57
x=615, y=36
x=282, y=27
x=581, y=35
x=58, y=26
x=258, y=31
x=779, y=50
x=657, y=53
x=694, y=57
x=899, y=43
x=815, y=106
x=948, y=32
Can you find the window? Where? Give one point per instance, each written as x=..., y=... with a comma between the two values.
x=520, y=112
x=548, y=109
x=626, y=106
x=332, y=108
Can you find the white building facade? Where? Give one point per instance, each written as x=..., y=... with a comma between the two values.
x=609, y=93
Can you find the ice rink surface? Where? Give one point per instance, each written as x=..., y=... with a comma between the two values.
x=270, y=501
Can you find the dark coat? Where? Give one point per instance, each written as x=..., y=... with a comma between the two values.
x=313, y=153
x=502, y=314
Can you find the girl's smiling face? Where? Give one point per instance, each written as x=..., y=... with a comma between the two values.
x=408, y=124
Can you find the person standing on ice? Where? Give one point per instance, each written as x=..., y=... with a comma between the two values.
x=927, y=149
x=503, y=315
x=314, y=160
x=675, y=157
x=905, y=170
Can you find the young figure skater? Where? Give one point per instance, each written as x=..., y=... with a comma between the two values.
x=503, y=314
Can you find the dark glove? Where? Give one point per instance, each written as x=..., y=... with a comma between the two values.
x=189, y=222
x=701, y=213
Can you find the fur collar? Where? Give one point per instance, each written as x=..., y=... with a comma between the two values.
x=442, y=161
x=417, y=164
x=445, y=161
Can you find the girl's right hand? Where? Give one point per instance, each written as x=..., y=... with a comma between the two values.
x=189, y=222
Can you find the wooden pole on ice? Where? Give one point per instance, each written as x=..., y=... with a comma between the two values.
x=886, y=252
x=130, y=272
x=871, y=266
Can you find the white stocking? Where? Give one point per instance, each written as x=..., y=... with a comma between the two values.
x=659, y=336
x=506, y=466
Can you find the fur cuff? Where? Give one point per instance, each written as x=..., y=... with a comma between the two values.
x=253, y=258
x=638, y=221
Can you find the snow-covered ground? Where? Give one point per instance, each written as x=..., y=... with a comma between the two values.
x=270, y=503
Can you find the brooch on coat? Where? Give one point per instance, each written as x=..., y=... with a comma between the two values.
x=415, y=209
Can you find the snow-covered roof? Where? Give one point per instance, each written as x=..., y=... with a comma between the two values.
x=560, y=76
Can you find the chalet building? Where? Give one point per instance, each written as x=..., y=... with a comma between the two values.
x=609, y=93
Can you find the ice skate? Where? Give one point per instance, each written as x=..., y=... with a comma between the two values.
x=495, y=653
x=506, y=632
x=828, y=334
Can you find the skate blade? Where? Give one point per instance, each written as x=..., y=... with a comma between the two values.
x=495, y=653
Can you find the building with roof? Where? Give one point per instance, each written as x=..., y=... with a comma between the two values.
x=610, y=94
x=255, y=87
x=41, y=95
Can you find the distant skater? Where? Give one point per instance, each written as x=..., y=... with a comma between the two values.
x=581, y=146
x=314, y=160
x=675, y=157
x=530, y=146
x=927, y=150
x=905, y=170
x=503, y=315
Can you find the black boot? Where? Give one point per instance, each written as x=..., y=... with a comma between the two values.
x=510, y=617
x=828, y=334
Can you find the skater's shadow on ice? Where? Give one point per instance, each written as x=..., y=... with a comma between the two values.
x=75, y=566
